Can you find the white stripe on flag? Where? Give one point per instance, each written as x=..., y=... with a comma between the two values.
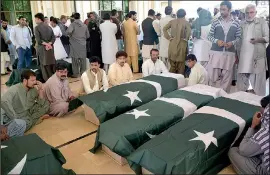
x=186, y=105
x=179, y=77
x=205, y=90
x=155, y=84
x=245, y=98
x=226, y=114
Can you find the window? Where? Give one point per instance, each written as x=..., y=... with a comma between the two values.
x=106, y=6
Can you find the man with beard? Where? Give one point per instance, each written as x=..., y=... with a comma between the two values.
x=252, y=59
x=78, y=34
x=11, y=48
x=94, y=79
x=130, y=32
x=45, y=39
x=57, y=91
x=225, y=32
x=120, y=72
x=153, y=65
x=25, y=101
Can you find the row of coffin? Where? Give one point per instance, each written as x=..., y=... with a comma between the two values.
x=158, y=128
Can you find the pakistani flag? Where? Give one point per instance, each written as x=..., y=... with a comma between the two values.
x=31, y=155
x=197, y=145
x=119, y=99
x=125, y=133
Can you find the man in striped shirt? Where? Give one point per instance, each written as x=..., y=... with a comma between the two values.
x=225, y=32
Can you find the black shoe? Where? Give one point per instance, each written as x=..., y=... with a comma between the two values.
x=233, y=82
x=9, y=69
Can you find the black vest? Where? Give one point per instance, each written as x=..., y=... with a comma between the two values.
x=149, y=34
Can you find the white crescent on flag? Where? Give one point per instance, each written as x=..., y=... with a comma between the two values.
x=19, y=167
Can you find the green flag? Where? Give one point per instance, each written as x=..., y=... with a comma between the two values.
x=128, y=131
x=197, y=145
x=31, y=155
x=119, y=99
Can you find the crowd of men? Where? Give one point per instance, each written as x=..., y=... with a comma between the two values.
x=220, y=43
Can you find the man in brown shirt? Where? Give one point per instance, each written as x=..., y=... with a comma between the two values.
x=118, y=35
x=45, y=39
x=180, y=33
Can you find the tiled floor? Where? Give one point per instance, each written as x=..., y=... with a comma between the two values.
x=57, y=131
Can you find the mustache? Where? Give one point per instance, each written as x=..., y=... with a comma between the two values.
x=63, y=76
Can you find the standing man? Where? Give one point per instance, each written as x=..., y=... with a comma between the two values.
x=252, y=60
x=64, y=38
x=45, y=39
x=108, y=42
x=156, y=24
x=78, y=34
x=130, y=32
x=180, y=33
x=21, y=39
x=4, y=52
x=224, y=34
x=118, y=35
x=11, y=48
x=153, y=65
x=150, y=37
x=164, y=43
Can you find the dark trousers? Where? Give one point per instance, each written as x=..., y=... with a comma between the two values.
x=47, y=71
x=78, y=66
x=177, y=67
x=25, y=58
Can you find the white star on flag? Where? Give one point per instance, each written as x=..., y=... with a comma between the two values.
x=3, y=146
x=133, y=96
x=206, y=138
x=150, y=135
x=139, y=113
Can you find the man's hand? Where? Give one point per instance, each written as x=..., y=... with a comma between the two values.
x=71, y=98
x=8, y=42
x=256, y=120
x=4, y=137
x=3, y=130
x=39, y=86
x=253, y=41
x=171, y=38
x=236, y=59
x=45, y=116
x=220, y=43
x=228, y=45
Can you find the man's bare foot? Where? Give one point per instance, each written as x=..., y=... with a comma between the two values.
x=46, y=116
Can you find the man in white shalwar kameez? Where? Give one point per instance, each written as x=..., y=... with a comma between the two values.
x=252, y=49
x=153, y=65
x=164, y=43
x=198, y=74
x=109, y=45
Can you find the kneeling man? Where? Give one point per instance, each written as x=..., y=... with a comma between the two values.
x=58, y=92
x=198, y=74
x=24, y=101
x=120, y=72
x=153, y=65
x=94, y=79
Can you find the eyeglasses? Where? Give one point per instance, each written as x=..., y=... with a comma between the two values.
x=250, y=12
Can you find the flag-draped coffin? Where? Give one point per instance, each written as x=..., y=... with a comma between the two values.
x=119, y=99
x=199, y=144
x=127, y=132
x=31, y=155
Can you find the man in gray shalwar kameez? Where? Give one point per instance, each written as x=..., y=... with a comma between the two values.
x=45, y=39
x=78, y=33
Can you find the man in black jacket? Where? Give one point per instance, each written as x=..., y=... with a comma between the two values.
x=150, y=37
